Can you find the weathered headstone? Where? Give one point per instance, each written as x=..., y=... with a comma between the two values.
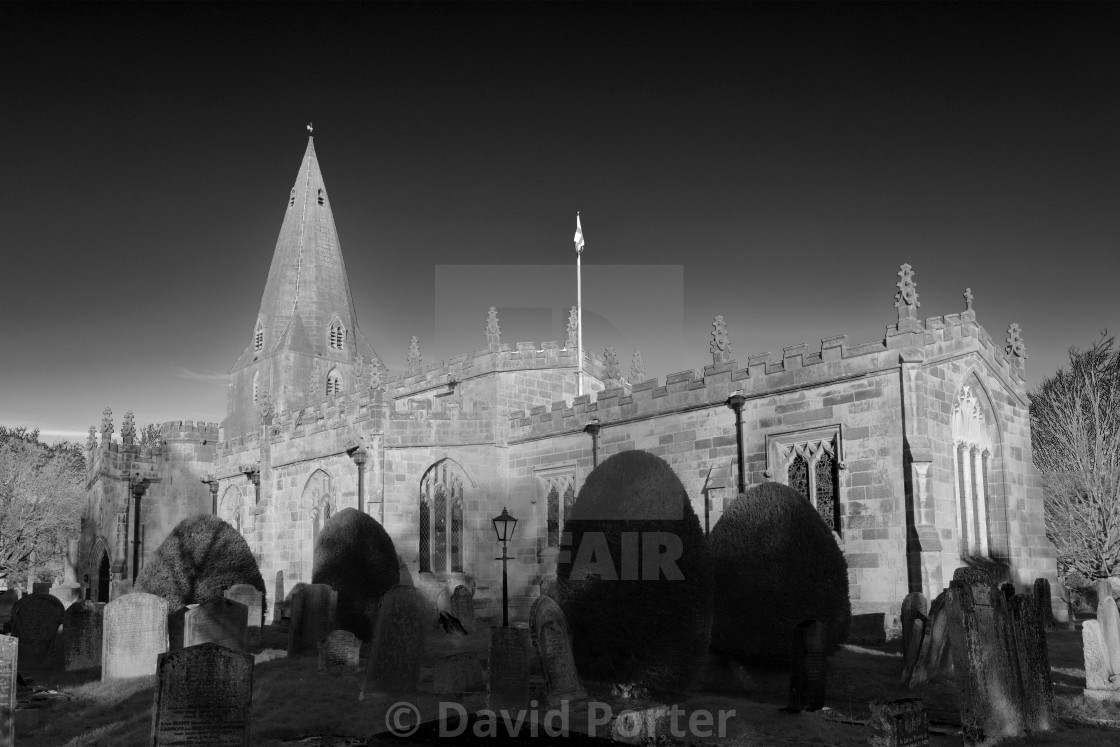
x=399, y=637
x=177, y=626
x=9, y=659
x=1109, y=618
x=40, y=587
x=913, y=646
x=809, y=666
x=134, y=635
x=278, y=604
x=462, y=607
x=509, y=669
x=457, y=673
x=8, y=599
x=81, y=635
x=551, y=638
x=935, y=657
x=1033, y=662
x=35, y=621
x=989, y=694
x=217, y=620
x=899, y=723
x=253, y=599
x=1101, y=683
x=204, y=697
x=913, y=604
x=1104, y=591
x=1042, y=600
x=339, y=650
x=550, y=587
x=313, y=610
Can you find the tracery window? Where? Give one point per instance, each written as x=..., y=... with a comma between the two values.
x=809, y=462
x=441, y=518
x=334, y=382
x=560, y=494
x=973, y=449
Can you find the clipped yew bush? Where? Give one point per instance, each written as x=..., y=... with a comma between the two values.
x=632, y=626
x=201, y=558
x=355, y=556
x=776, y=564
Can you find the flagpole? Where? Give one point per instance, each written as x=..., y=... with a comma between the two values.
x=578, y=239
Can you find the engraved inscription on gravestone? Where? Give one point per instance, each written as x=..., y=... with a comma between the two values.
x=134, y=635
x=549, y=627
x=217, y=620
x=9, y=656
x=204, y=697
x=339, y=650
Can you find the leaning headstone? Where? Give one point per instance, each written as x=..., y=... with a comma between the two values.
x=551, y=638
x=989, y=694
x=1042, y=600
x=35, y=621
x=913, y=646
x=457, y=673
x=313, y=610
x=253, y=599
x=399, y=637
x=118, y=589
x=9, y=660
x=462, y=607
x=1101, y=683
x=217, y=620
x=81, y=635
x=509, y=669
x=339, y=651
x=899, y=723
x=913, y=604
x=809, y=666
x=134, y=635
x=204, y=697
x=935, y=657
x=1033, y=662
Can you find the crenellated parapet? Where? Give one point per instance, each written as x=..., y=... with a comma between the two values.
x=188, y=430
x=768, y=374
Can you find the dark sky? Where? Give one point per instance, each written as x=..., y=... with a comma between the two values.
x=771, y=163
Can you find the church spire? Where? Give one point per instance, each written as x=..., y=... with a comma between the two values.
x=307, y=326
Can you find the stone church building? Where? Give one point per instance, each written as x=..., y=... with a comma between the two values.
x=915, y=447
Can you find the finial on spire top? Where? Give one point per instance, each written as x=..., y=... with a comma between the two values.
x=310, y=129
x=968, y=299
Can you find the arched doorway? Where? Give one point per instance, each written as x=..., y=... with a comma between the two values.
x=103, y=578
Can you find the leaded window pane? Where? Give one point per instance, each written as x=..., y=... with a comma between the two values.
x=439, y=530
x=553, y=516
x=457, y=535
x=799, y=475
x=425, y=536
x=827, y=505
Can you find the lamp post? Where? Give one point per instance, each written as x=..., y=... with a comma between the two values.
x=361, y=456
x=504, y=524
x=735, y=402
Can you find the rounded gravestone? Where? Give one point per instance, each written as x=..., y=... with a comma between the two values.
x=35, y=621
x=134, y=635
x=81, y=635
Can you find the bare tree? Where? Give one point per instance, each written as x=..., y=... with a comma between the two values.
x=1075, y=435
x=41, y=498
x=150, y=435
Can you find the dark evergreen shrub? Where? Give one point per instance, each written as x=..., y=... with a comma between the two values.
x=648, y=632
x=775, y=563
x=201, y=558
x=355, y=555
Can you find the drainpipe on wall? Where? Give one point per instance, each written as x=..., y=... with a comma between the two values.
x=735, y=402
x=593, y=428
x=360, y=457
x=139, y=487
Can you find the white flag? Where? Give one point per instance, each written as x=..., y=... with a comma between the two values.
x=578, y=238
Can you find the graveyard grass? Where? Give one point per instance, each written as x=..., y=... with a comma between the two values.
x=292, y=700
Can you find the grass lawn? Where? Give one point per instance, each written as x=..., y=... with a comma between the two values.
x=291, y=700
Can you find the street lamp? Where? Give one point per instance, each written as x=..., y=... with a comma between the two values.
x=504, y=524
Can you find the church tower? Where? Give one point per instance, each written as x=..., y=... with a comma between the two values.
x=305, y=343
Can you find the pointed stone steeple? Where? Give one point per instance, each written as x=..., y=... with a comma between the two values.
x=306, y=332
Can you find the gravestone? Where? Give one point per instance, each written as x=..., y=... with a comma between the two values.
x=1101, y=683
x=176, y=627
x=399, y=637
x=462, y=607
x=1033, y=660
x=338, y=651
x=118, y=589
x=509, y=669
x=313, y=610
x=40, y=587
x=253, y=599
x=217, y=620
x=9, y=660
x=552, y=640
x=989, y=694
x=1104, y=591
x=1042, y=600
x=935, y=657
x=8, y=599
x=550, y=587
x=443, y=601
x=134, y=634
x=809, y=666
x=1109, y=618
x=35, y=621
x=278, y=604
x=899, y=723
x=913, y=604
x=204, y=697
x=913, y=646
x=457, y=673
x=81, y=635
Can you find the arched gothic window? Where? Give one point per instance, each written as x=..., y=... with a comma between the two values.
x=334, y=382
x=318, y=501
x=809, y=463
x=560, y=495
x=230, y=508
x=337, y=335
x=258, y=337
x=973, y=449
x=441, y=518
